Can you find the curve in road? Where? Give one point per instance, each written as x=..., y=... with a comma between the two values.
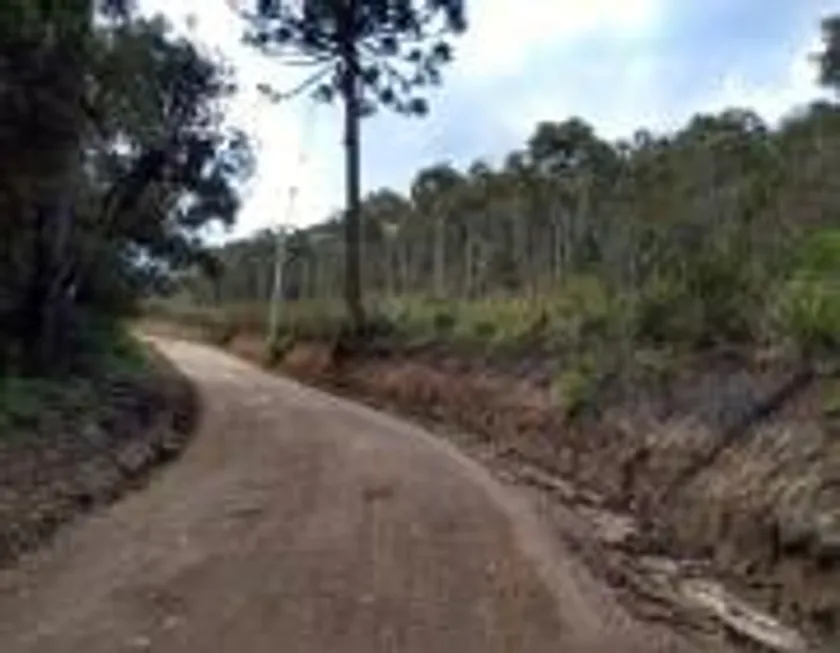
x=299, y=522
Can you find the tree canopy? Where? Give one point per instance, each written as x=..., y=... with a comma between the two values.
x=114, y=157
x=368, y=53
x=702, y=231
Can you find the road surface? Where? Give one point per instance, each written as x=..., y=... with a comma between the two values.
x=298, y=522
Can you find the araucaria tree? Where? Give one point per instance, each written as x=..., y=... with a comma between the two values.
x=368, y=53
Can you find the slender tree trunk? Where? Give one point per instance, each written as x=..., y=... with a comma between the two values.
x=390, y=284
x=277, y=288
x=422, y=263
x=440, y=257
x=520, y=227
x=352, y=119
x=406, y=281
x=469, y=263
x=560, y=241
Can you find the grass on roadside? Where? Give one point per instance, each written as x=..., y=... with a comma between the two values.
x=590, y=330
x=104, y=352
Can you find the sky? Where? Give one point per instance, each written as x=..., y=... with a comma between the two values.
x=619, y=64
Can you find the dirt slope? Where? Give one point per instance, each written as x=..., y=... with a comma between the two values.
x=301, y=522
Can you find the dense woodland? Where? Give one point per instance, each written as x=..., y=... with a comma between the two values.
x=725, y=231
x=112, y=158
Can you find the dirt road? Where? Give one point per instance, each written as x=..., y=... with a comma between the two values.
x=301, y=522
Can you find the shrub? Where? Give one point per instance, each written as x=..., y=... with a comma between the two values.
x=808, y=312
x=443, y=321
x=807, y=307
x=711, y=298
x=278, y=346
x=577, y=385
x=484, y=330
x=831, y=399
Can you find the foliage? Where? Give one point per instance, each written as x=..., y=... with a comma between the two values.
x=109, y=353
x=114, y=158
x=809, y=312
x=576, y=385
x=721, y=234
x=370, y=53
x=829, y=57
x=831, y=398
x=398, y=46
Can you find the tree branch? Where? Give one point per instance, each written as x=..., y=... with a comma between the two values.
x=420, y=37
x=390, y=69
x=303, y=62
x=311, y=80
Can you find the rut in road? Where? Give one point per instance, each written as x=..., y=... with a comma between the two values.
x=301, y=522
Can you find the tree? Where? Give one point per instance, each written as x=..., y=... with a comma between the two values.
x=384, y=213
x=829, y=58
x=693, y=233
x=370, y=53
x=433, y=191
x=112, y=157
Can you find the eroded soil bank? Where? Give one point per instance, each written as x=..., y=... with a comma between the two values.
x=732, y=467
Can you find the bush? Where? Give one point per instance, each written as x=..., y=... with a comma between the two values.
x=578, y=384
x=808, y=312
x=484, y=330
x=712, y=299
x=831, y=398
x=23, y=400
x=807, y=308
x=443, y=321
x=109, y=352
x=278, y=346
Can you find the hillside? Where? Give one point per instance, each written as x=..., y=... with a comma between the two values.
x=655, y=320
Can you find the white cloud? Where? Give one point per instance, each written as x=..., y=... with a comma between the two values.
x=504, y=34
x=796, y=85
x=628, y=89
x=618, y=89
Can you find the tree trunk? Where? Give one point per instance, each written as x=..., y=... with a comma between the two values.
x=440, y=257
x=352, y=218
x=277, y=287
x=31, y=311
x=390, y=285
x=469, y=263
x=49, y=299
x=405, y=267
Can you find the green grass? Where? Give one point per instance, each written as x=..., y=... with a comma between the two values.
x=589, y=331
x=582, y=315
x=504, y=321
x=577, y=383
x=807, y=311
x=831, y=398
x=806, y=308
x=105, y=351
x=315, y=320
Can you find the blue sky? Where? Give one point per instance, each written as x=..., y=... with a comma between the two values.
x=620, y=64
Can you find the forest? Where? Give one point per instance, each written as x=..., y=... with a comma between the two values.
x=722, y=233
x=655, y=319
